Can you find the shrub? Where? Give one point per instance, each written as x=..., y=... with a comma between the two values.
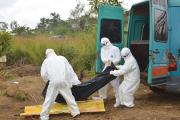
x=4, y=43
x=78, y=48
x=20, y=95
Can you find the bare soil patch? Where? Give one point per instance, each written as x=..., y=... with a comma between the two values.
x=149, y=106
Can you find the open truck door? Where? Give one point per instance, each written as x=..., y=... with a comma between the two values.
x=158, y=72
x=110, y=25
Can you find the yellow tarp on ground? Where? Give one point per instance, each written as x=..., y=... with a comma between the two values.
x=59, y=108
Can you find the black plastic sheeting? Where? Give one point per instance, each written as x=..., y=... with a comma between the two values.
x=84, y=90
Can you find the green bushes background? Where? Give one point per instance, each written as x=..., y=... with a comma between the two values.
x=4, y=43
x=79, y=48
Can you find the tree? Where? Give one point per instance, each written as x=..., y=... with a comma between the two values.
x=75, y=18
x=14, y=25
x=19, y=30
x=55, y=18
x=48, y=23
x=94, y=3
x=44, y=23
x=3, y=26
x=4, y=42
x=77, y=12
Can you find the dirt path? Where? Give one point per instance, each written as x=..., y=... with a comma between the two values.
x=149, y=106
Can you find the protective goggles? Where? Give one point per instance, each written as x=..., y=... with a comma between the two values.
x=124, y=55
x=104, y=44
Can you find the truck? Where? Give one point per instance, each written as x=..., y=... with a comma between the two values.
x=153, y=36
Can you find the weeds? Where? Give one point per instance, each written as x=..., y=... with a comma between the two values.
x=5, y=74
x=78, y=48
x=5, y=39
x=20, y=95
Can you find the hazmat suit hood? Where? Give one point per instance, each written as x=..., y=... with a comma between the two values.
x=49, y=52
x=105, y=42
x=126, y=54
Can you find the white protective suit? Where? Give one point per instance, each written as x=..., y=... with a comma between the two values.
x=110, y=53
x=61, y=77
x=131, y=81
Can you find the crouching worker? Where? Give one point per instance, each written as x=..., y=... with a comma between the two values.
x=131, y=81
x=61, y=77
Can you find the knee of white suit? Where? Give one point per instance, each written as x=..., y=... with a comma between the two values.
x=70, y=100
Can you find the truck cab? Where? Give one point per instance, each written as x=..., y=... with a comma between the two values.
x=152, y=36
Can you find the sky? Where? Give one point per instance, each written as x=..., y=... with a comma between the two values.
x=29, y=12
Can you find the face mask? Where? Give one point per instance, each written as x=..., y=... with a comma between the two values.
x=125, y=56
x=103, y=44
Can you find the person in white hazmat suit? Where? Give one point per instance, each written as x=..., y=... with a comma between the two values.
x=110, y=53
x=131, y=81
x=61, y=77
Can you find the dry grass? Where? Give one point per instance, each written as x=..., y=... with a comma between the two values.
x=79, y=49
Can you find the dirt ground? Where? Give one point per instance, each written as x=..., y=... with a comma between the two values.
x=149, y=106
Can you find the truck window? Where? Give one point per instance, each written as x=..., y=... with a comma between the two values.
x=111, y=29
x=160, y=25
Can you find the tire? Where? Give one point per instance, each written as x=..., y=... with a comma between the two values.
x=158, y=90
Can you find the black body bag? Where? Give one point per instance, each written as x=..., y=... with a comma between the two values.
x=84, y=90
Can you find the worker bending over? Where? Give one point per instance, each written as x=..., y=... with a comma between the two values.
x=61, y=77
x=131, y=81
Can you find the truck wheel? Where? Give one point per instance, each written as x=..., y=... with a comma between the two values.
x=158, y=90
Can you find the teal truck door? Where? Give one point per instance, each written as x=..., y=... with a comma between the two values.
x=159, y=47
x=110, y=25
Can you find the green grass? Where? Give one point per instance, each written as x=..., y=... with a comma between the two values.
x=78, y=48
x=20, y=95
x=5, y=74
